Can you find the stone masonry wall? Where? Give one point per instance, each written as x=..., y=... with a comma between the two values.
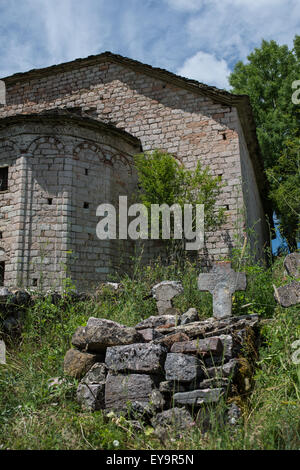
x=48, y=213
x=161, y=115
x=10, y=207
x=253, y=208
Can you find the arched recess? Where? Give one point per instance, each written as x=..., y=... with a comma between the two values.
x=88, y=146
x=8, y=151
x=124, y=178
x=44, y=141
x=45, y=197
x=45, y=150
x=122, y=163
x=91, y=171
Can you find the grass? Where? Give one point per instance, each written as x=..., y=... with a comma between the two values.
x=32, y=416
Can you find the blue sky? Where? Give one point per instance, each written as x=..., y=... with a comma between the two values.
x=200, y=39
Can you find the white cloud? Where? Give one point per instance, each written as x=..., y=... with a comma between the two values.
x=194, y=5
x=185, y=5
x=206, y=68
x=232, y=28
x=38, y=33
x=71, y=28
x=163, y=33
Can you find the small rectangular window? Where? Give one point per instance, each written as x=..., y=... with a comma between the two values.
x=4, y=178
x=50, y=201
x=2, y=273
x=86, y=205
x=34, y=282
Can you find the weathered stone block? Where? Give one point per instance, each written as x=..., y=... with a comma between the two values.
x=149, y=334
x=288, y=295
x=177, y=418
x=157, y=400
x=121, y=390
x=292, y=264
x=202, y=347
x=170, y=339
x=197, y=329
x=227, y=370
x=157, y=321
x=230, y=368
x=101, y=333
x=79, y=339
x=188, y=317
x=91, y=396
x=97, y=374
x=227, y=342
x=171, y=386
x=182, y=368
x=198, y=397
x=145, y=358
x=77, y=364
x=216, y=382
x=213, y=327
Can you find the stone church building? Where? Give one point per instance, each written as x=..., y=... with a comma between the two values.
x=68, y=134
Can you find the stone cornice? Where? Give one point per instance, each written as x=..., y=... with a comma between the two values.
x=59, y=116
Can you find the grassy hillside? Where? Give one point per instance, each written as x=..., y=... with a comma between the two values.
x=32, y=416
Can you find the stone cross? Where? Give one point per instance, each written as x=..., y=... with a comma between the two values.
x=164, y=292
x=222, y=282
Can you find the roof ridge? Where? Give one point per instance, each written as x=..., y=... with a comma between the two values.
x=81, y=62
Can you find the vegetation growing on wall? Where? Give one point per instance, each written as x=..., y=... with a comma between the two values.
x=268, y=77
x=162, y=180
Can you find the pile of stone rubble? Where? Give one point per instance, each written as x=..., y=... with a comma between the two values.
x=12, y=309
x=168, y=366
x=14, y=302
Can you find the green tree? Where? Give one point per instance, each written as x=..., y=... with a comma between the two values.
x=267, y=78
x=285, y=189
x=162, y=180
